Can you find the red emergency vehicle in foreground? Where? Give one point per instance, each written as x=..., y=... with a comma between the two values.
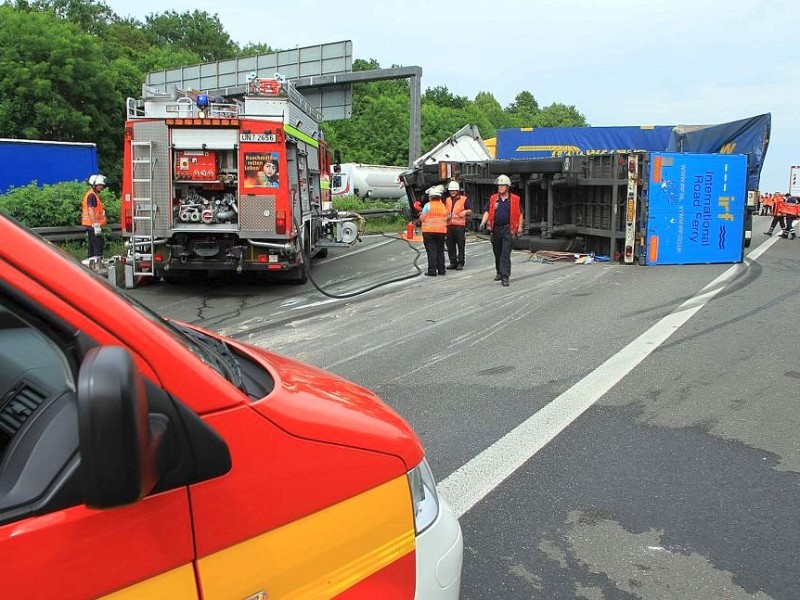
x=142, y=458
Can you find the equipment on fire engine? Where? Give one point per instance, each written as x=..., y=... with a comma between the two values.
x=196, y=209
x=202, y=104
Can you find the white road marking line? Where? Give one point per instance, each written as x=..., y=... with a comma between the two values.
x=469, y=484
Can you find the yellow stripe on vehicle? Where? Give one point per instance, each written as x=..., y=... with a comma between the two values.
x=177, y=584
x=318, y=556
x=301, y=136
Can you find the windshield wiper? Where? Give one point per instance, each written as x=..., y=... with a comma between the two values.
x=224, y=360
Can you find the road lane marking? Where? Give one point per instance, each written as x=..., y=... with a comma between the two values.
x=469, y=484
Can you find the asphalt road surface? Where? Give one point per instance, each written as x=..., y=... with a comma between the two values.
x=603, y=431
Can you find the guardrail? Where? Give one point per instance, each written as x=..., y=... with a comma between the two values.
x=71, y=233
x=66, y=234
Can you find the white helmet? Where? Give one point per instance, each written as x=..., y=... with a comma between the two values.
x=97, y=180
x=503, y=180
x=453, y=186
x=436, y=191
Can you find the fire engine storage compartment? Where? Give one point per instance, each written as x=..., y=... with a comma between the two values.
x=205, y=178
x=696, y=209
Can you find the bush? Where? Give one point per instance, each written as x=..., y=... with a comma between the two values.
x=57, y=205
x=394, y=224
x=387, y=224
x=77, y=249
x=354, y=203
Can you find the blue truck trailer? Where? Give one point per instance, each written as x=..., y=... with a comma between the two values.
x=748, y=137
x=45, y=162
x=650, y=208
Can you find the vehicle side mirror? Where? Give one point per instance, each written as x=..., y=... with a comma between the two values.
x=121, y=445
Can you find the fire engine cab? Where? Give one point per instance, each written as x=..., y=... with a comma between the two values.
x=228, y=184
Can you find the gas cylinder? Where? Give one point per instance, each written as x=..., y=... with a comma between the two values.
x=410, y=230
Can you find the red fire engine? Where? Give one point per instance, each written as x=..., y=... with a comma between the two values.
x=228, y=184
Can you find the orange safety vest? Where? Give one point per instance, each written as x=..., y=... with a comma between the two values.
x=515, y=211
x=91, y=215
x=435, y=220
x=456, y=210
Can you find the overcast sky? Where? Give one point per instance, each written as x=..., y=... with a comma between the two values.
x=619, y=62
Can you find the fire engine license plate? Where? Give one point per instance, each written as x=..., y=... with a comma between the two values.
x=256, y=137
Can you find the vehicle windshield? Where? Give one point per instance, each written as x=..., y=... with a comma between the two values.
x=213, y=352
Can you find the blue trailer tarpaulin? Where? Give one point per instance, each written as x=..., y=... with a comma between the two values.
x=747, y=136
x=545, y=142
x=696, y=211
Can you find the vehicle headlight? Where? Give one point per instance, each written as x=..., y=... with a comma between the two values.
x=423, y=496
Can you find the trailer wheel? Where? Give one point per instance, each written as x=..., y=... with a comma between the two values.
x=535, y=243
x=323, y=253
x=520, y=242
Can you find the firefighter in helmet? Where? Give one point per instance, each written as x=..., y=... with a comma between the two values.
x=93, y=215
x=458, y=207
x=504, y=219
x=434, y=230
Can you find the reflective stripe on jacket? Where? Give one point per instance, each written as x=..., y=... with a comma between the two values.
x=458, y=211
x=92, y=214
x=435, y=219
x=515, y=211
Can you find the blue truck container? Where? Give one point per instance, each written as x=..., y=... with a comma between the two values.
x=546, y=142
x=45, y=162
x=696, y=209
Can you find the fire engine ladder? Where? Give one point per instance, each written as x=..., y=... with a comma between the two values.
x=141, y=251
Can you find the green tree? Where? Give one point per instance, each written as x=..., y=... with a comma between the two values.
x=254, y=49
x=161, y=58
x=197, y=32
x=559, y=115
x=441, y=96
x=56, y=84
x=377, y=133
x=489, y=108
x=90, y=15
x=523, y=110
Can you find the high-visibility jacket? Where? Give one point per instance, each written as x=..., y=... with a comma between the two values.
x=434, y=220
x=92, y=214
x=516, y=212
x=457, y=211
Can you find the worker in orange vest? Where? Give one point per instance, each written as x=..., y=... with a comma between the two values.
x=434, y=231
x=504, y=220
x=93, y=215
x=458, y=207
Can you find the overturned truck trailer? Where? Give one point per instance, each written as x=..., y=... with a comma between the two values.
x=613, y=191
x=646, y=207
